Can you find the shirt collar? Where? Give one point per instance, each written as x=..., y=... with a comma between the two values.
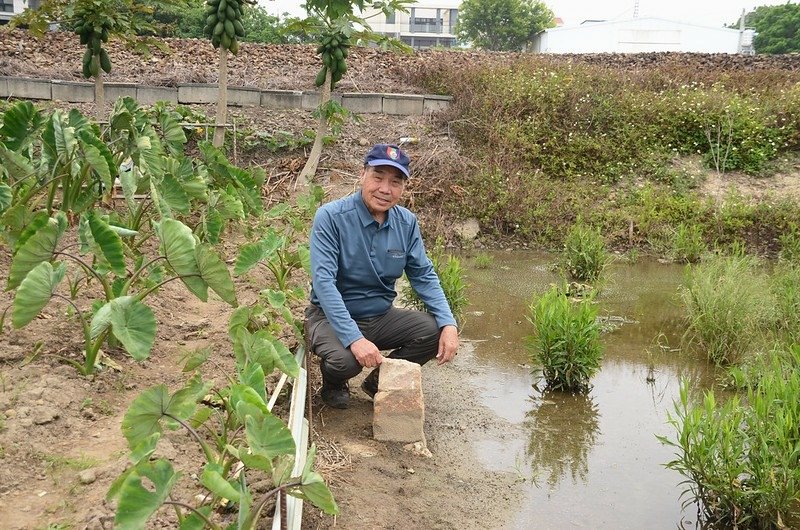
x=366, y=217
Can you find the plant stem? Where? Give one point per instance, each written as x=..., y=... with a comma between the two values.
x=138, y=273
x=255, y=513
x=310, y=169
x=195, y=511
x=106, y=286
x=143, y=295
x=203, y=444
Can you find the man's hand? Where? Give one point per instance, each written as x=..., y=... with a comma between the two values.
x=448, y=344
x=366, y=353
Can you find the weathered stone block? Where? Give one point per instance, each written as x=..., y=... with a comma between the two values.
x=197, y=93
x=3, y=87
x=23, y=88
x=363, y=102
x=434, y=103
x=282, y=99
x=399, y=410
x=148, y=95
x=72, y=92
x=403, y=104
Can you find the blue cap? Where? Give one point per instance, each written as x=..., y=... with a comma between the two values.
x=388, y=155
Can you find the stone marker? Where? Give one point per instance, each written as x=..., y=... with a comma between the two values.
x=399, y=411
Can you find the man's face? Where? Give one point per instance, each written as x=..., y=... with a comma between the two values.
x=381, y=188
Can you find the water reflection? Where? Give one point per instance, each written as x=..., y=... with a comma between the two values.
x=562, y=428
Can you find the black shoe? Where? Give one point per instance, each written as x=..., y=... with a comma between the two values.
x=336, y=396
x=370, y=383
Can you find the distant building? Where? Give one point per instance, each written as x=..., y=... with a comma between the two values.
x=9, y=8
x=636, y=35
x=428, y=23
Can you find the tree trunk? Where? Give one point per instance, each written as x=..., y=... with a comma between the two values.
x=222, y=99
x=310, y=169
x=99, y=96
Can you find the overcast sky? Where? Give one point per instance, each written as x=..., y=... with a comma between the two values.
x=704, y=12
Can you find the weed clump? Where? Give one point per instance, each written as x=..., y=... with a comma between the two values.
x=451, y=278
x=565, y=340
x=585, y=255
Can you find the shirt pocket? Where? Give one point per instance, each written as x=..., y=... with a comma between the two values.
x=394, y=263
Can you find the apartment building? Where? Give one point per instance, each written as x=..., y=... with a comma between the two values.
x=428, y=24
x=9, y=8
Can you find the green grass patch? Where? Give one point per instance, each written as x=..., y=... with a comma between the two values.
x=585, y=255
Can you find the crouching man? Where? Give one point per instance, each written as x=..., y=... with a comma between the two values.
x=360, y=245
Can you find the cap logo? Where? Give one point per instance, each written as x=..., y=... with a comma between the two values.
x=392, y=153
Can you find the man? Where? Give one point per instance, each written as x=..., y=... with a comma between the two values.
x=360, y=245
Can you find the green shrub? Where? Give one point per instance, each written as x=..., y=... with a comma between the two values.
x=565, y=340
x=451, y=278
x=687, y=243
x=741, y=457
x=585, y=255
x=790, y=245
x=727, y=303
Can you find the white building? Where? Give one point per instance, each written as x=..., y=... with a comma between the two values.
x=428, y=23
x=9, y=8
x=636, y=35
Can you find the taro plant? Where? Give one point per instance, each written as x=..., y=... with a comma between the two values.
x=565, y=340
x=241, y=440
x=740, y=456
x=39, y=264
x=282, y=253
x=585, y=255
x=728, y=305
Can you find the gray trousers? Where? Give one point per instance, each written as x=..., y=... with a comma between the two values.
x=412, y=335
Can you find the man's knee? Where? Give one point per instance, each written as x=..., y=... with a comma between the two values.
x=339, y=367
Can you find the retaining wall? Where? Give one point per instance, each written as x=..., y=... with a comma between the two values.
x=200, y=93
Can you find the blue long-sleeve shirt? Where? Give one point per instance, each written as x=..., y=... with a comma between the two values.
x=355, y=263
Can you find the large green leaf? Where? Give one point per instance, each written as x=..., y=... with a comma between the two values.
x=317, y=493
x=132, y=322
x=177, y=244
x=254, y=460
x=5, y=197
x=20, y=125
x=250, y=254
x=278, y=352
x=229, y=205
x=212, y=479
x=17, y=166
x=252, y=375
x=39, y=247
x=32, y=225
x=215, y=273
x=269, y=436
x=155, y=405
x=212, y=224
x=173, y=133
x=137, y=502
x=193, y=521
x=128, y=179
x=173, y=194
x=94, y=158
x=141, y=452
x=35, y=291
x=109, y=242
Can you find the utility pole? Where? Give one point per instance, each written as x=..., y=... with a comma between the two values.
x=741, y=32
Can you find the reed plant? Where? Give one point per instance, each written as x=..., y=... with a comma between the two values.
x=687, y=243
x=451, y=278
x=483, y=260
x=565, y=340
x=741, y=457
x=785, y=287
x=585, y=255
x=728, y=305
x=790, y=245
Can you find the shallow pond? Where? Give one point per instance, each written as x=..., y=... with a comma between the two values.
x=584, y=461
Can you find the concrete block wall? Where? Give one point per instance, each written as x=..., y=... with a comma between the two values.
x=199, y=93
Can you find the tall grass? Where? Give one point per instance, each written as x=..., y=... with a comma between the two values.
x=585, y=255
x=742, y=457
x=687, y=243
x=565, y=341
x=451, y=278
x=785, y=287
x=728, y=304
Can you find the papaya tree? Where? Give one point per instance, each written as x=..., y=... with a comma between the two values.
x=335, y=22
x=95, y=22
x=224, y=28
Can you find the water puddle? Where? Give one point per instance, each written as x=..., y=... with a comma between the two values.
x=584, y=461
